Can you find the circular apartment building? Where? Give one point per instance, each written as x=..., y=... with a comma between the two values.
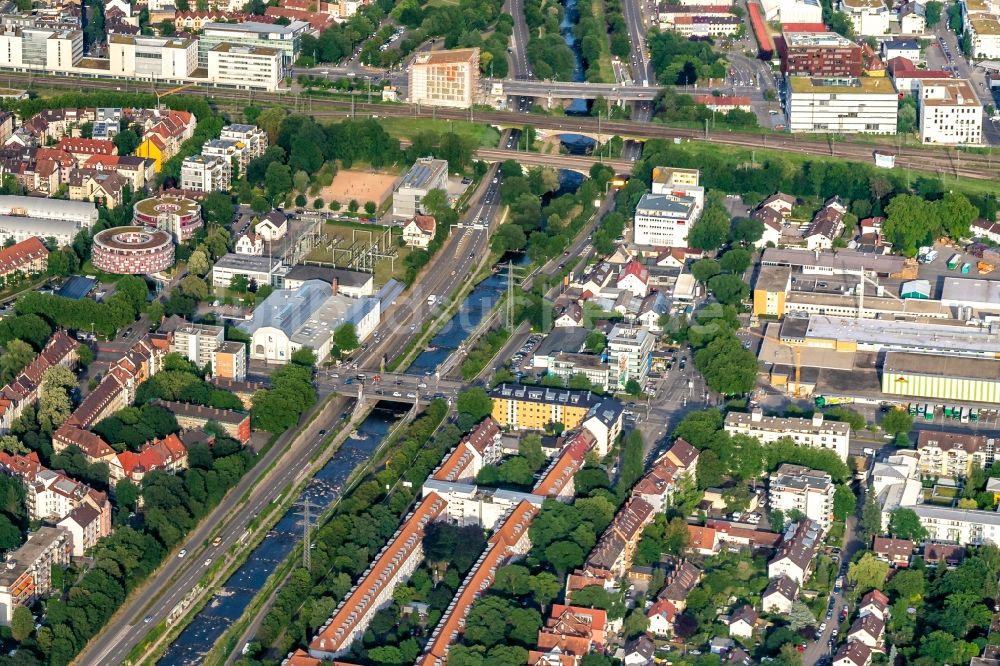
x=179, y=216
x=133, y=250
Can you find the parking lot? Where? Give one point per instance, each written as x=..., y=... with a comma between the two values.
x=520, y=362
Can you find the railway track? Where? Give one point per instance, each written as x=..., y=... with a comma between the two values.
x=935, y=159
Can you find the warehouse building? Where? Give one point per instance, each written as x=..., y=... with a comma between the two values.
x=307, y=317
x=261, y=270
x=926, y=376
x=981, y=295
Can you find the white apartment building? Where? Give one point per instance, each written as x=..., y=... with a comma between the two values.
x=968, y=527
x=950, y=112
x=40, y=48
x=27, y=573
x=253, y=138
x=202, y=173
x=870, y=17
x=793, y=11
x=981, y=19
x=232, y=151
x=865, y=105
x=445, y=78
x=152, y=57
x=197, y=342
x=798, y=488
x=245, y=66
x=630, y=351
x=815, y=433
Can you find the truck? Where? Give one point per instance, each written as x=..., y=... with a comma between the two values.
x=955, y=260
x=827, y=400
x=929, y=256
x=985, y=268
x=966, y=267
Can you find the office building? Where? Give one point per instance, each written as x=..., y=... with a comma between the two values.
x=816, y=433
x=630, y=350
x=984, y=33
x=664, y=216
x=152, y=57
x=770, y=290
x=202, y=173
x=307, y=317
x=445, y=78
x=425, y=175
x=842, y=106
x=793, y=11
x=808, y=491
x=283, y=38
x=245, y=66
x=353, y=284
x=950, y=112
x=260, y=270
x=823, y=54
x=50, y=49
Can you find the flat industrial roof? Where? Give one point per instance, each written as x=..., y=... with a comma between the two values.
x=42, y=207
x=247, y=262
x=969, y=291
x=956, y=338
x=931, y=364
x=773, y=278
x=843, y=260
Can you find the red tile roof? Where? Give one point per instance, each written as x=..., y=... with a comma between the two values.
x=155, y=455
x=87, y=146
x=25, y=252
x=570, y=461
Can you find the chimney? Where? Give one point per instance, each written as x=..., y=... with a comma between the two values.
x=333, y=287
x=756, y=416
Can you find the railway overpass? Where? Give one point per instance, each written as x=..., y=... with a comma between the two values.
x=570, y=90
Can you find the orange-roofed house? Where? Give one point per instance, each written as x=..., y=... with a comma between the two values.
x=557, y=482
x=724, y=103
x=374, y=590
x=419, y=232
x=479, y=448
x=25, y=258
x=570, y=631
x=634, y=279
x=83, y=149
x=165, y=455
x=703, y=540
x=661, y=617
x=510, y=541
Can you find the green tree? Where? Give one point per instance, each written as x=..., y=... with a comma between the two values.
x=277, y=179
x=705, y=269
x=345, y=338
x=729, y=289
x=127, y=141
x=897, y=421
x=712, y=228
x=127, y=494
x=868, y=573
x=747, y=230
x=198, y=263
x=905, y=524
x=544, y=588
x=22, y=623
x=475, y=402
x=736, y=260
x=844, y=502
x=932, y=12
x=871, y=517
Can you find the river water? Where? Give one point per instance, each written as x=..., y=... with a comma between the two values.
x=575, y=143
x=228, y=604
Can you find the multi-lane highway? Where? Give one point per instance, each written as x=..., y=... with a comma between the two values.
x=518, y=52
x=288, y=460
x=632, y=11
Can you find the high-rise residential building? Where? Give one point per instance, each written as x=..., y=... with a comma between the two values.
x=850, y=105
x=820, y=54
x=197, y=342
x=630, y=351
x=205, y=173
x=445, y=78
x=808, y=491
x=950, y=112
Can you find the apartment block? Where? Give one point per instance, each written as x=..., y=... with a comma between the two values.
x=822, y=54
x=231, y=151
x=953, y=455
x=202, y=173
x=870, y=17
x=967, y=527
x=664, y=216
x=55, y=49
x=197, y=342
x=254, y=138
x=950, y=112
x=809, y=491
x=630, y=351
x=245, y=66
x=230, y=361
x=533, y=408
x=866, y=105
x=445, y=78
x=28, y=571
x=815, y=433
x=616, y=547
x=795, y=555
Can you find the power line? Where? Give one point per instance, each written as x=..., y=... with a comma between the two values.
x=306, y=538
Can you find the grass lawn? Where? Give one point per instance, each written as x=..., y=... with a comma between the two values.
x=384, y=268
x=406, y=128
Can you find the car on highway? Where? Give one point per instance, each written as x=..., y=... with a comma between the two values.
x=208, y=560
x=181, y=554
x=217, y=541
x=147, y=619
x=397, y=394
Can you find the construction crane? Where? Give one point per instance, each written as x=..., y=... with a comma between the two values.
x=797, y=355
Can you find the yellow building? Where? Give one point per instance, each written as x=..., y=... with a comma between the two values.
x=152, y=148
x=535, y=407
x=773, y=283
x=673, y=176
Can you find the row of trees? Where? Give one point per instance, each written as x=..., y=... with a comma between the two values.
x=865, y=189
x=548, y=54
x=278, y=408
x=593, y=36
x=182, y=381
x=365, y=518
x=85, y=314
x=672, y=106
